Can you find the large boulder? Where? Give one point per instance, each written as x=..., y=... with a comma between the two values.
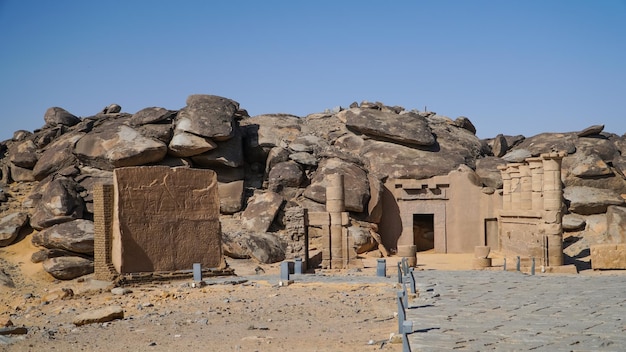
x=375, y=204
x=499, y=146
x=262, y=247
x=517, y=155
x=362, y=239
x=586, y=166
x=549, y=142
x=68, y=268
x=409, y=128
x=264, y=132
x=185, y=144
x=608, y=256
x=398, y=161
x=57, y=155
x=57, y=201
x=285, y=174
x=59, y=116
x=119, y=146
x=228, y=153
x=76, y=236
x=20, y=174
x=151, y=115
x=587, y=200
x=10, y=226
x=158, y=131
x=231, y=196
x=88, y=178
x=47, y=253
x=616, y=224
x=24, y=155
x=355, y=180
x=208, y=116
x=487, y=169
x=261, y=211
x=591, y=131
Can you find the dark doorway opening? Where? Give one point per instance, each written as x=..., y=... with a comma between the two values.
x=424, y=231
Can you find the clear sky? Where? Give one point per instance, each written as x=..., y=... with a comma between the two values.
x=512, y=67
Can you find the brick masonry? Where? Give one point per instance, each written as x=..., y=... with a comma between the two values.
x=103, y=221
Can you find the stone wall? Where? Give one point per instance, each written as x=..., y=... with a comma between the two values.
x=296, y=234
x=103, y=222
x=165, y=219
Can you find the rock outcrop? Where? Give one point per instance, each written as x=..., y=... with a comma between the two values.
x=268, y=163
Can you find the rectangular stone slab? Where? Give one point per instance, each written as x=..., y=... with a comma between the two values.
x=165, y=219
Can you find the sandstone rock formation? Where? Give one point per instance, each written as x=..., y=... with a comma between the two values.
x=286, y=159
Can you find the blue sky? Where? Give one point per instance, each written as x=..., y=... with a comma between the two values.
x=512, y=67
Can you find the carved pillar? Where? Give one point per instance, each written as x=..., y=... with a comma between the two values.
x=536, y=174
x=335, y=206
x=506, y=187
x=526, y=189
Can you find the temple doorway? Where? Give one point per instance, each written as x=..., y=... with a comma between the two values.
x=424, y=231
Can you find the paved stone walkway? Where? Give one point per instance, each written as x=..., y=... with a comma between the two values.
x=510, y=311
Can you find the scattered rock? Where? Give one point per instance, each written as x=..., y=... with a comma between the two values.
x=263, y=247
x=119, y=291
x=101, y=315
x=13, y=330
x=10, y=226
x=67, y=268
x=5, y=279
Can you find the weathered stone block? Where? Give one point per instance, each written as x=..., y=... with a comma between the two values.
x=165, y=219
x=608, y=256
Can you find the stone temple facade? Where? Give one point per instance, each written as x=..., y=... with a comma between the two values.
x=532, y=209
x=448, y=214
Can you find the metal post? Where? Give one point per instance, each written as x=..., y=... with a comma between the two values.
x=284, y=271
x=197, y=272
x=505, y=264
x=406, y=296
x=381, y=267
x=407, y=328
x=405, y=265
x=399, y=272
x=412, y=281
x=401, y=313
x=519, y=264
x=298, y=266
x=532, y=268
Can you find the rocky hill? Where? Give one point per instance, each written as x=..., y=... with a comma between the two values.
x=269, y=163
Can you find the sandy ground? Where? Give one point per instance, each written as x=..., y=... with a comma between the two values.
x=345, y=310
x=355, y=314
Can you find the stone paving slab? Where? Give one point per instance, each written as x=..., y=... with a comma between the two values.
x=511, y=311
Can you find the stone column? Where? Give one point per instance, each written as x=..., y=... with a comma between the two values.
x=335, y=205
x=506, y=187
x=516, y=191
x=553, y=203
x=536, y=174
x=526, y=189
